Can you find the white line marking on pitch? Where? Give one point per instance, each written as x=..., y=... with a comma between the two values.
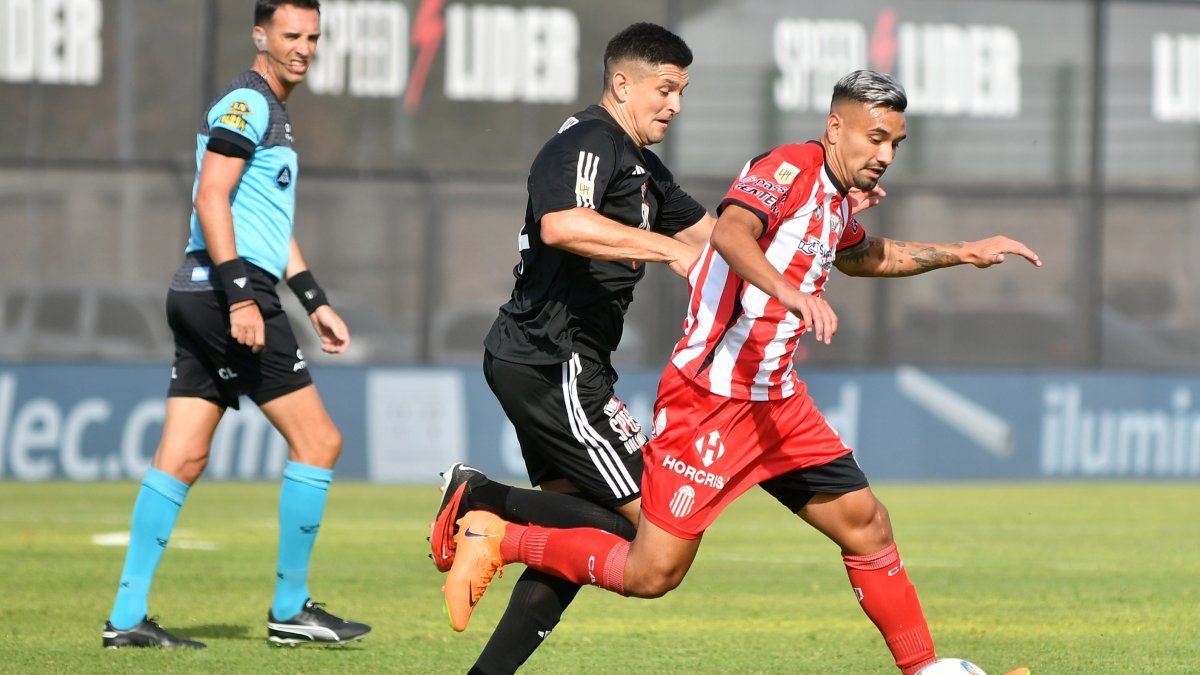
x=972, y=420
x=180, y=540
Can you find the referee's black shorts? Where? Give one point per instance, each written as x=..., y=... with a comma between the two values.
x=571, y=425
x=209, y=363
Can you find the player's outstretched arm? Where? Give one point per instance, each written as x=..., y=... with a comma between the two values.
x=735, y=237
x=584, y=232
x=335, y=336
x=880, y=257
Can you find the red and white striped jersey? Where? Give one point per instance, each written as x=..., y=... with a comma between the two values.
x=738, y=341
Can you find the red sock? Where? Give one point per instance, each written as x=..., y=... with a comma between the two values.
x=889, y=599
x=582, y=555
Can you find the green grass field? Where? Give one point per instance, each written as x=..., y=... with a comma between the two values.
x=1098, y=578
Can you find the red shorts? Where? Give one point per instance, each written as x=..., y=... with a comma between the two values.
x=709, y=449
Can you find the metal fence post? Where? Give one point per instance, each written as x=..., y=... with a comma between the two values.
x=1090, y=230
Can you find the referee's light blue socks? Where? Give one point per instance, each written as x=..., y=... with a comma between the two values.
x=301, y=505
x=154, y=512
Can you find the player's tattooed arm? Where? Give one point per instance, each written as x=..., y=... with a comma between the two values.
x=880, y=257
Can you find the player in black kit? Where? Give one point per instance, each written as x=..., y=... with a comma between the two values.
x=600, y=207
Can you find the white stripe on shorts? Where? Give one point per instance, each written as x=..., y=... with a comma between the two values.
x=604, y=457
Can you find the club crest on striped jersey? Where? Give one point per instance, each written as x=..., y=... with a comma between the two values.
x=682, y=502
x=786, y=173
x=710, y=448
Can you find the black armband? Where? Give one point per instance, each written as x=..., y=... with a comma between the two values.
x=234, y=280
x=307, y=291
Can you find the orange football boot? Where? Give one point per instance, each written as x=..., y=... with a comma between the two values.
x=476, y=562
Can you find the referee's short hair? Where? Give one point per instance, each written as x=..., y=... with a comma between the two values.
x=264, y=10
x=648, y=43
x=878, y=90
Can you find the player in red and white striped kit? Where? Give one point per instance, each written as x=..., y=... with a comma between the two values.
x=731, y=412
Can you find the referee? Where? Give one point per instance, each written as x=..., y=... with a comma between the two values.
x=232, y=338
x=601, y=205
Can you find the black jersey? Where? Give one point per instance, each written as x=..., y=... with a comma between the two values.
x=563, y=302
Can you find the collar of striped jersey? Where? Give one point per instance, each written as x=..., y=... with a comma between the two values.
x=842, y=190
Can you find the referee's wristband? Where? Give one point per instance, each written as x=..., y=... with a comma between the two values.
x=308, y=291
x=234, y=280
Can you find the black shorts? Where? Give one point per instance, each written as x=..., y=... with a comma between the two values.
x=795, y=488
x=571, y=425
x=209, y=363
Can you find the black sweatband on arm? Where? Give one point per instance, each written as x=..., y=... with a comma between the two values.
x=307, y=291
x=234, y=280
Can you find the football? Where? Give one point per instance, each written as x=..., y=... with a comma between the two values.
x=951, y=667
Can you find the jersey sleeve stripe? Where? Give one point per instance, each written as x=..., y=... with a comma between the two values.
x=595, y=170
x=579, y=177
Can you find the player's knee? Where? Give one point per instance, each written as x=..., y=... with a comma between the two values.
x=323, y=449
x=879, y=526
x=655, y=583
x=186, y=468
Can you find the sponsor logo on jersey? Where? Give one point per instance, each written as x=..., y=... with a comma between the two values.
x=786, y=174
x=710, y=448
x=284, y=178
x=767, y=199
x=682, y=502
x=818, y=250
x=236, y=117
x=835, y=222
x=697, y=476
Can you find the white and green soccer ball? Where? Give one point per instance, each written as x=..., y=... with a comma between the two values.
x=951, y=667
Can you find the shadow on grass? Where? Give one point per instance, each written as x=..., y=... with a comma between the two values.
x=220, y=630
x=226, y=631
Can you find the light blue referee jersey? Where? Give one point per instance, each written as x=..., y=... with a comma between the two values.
x=248, y=121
